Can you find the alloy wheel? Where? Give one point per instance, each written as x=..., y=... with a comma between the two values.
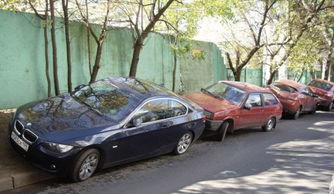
x=184, y=143
x=88, y=166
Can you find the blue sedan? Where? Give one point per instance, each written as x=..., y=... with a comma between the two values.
x=109, y=122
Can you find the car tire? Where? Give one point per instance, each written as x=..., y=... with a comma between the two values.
x=183, y=143
x=223, y=130
x=270, y=125
x=296, y=115
x=314, y=109
x=85, y=165
x=329, y=107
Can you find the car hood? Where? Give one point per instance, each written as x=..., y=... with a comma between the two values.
x=57, y=114
x=210, y=103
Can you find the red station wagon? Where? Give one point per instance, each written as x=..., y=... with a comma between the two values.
x=295, y=97
x=233, y=105
x=325, y=90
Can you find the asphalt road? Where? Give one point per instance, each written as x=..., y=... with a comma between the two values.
x=297, y=157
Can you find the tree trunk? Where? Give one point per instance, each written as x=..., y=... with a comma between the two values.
x=88, y=40
x=46, y=48
x=135, y=57
x=237, y=74
x=54, y=48
x=271, y=78
x=174, y=70
x=96, y=63
x=68, y=45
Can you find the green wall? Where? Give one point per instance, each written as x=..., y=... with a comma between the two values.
x=22, y=64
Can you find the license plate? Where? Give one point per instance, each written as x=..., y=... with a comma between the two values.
x=19, y=142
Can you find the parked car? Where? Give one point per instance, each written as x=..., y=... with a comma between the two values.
x=107, y=123
x=295, y=97
x=325, y=90
x=233, y=105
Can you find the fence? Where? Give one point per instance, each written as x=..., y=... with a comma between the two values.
x=22, y=63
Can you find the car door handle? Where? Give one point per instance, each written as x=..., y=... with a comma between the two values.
x=166, y=124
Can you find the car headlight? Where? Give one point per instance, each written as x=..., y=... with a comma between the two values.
x=58, y=148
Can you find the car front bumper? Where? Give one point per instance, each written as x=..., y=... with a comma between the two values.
x=53, y=163
x=213, y=125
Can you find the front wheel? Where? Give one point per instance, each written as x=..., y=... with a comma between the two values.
x=85, y=165
x=329, y=107
x=184, y=143
x=222, y=131
x=270, y=125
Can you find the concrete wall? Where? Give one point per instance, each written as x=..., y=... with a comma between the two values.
x=22, y=64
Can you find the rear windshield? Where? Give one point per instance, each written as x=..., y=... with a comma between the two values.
x=285, y=88
x=321, y=85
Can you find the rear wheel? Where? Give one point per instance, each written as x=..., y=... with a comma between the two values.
x=85, y=165
x=314, y=109
x=270, y=125
x=296, y=115
x=329, y=107
x=184, y=143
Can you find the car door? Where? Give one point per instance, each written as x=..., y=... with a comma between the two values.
x=270, y=106
x=309, y=101
x=251, y=114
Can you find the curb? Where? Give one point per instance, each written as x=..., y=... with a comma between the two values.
x=23, y=179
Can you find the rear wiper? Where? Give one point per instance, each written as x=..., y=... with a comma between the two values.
x=208, y=92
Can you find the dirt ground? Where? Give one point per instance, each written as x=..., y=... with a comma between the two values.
x=5, y=116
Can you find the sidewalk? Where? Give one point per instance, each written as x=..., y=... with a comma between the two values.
x=15, y=171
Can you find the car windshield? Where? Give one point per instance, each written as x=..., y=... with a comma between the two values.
x=227, y=92
x=322, y=85
x=106, y=99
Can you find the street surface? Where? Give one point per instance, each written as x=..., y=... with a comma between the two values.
x=297, y=157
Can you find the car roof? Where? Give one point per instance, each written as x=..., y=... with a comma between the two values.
x=140, y=89
x=247, y=87
x=291, y=83
x=324, y=81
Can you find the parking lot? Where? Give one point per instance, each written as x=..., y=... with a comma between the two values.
x=296, y=157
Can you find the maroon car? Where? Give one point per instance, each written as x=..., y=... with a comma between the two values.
x=233, y=105
x=295, y=97
x=325, y=90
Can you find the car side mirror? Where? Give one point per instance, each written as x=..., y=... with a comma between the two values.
x=137, y=121
x=79, y=87
x=247, y=106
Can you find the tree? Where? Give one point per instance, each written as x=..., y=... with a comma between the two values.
x=68, y=44
x=99, y=39
x=141, y=16
x=45, y=19
x=300, y=20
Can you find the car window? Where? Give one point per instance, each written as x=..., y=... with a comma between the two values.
x=105, y=98
x=285, y=88
x=254, y=100
x=322, y=85
x=160, y=109
x=269, y=99
x=227, y=92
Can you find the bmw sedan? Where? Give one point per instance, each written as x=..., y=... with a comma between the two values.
x=107, y=123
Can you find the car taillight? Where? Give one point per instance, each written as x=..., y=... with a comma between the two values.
x=203, y=118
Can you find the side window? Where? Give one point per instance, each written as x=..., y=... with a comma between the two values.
x=153, y=110
x=176, y=108
x=269, y=99
x=254, y=100
x=161, y=109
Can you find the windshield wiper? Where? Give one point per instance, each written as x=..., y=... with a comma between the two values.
x=212, y=94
